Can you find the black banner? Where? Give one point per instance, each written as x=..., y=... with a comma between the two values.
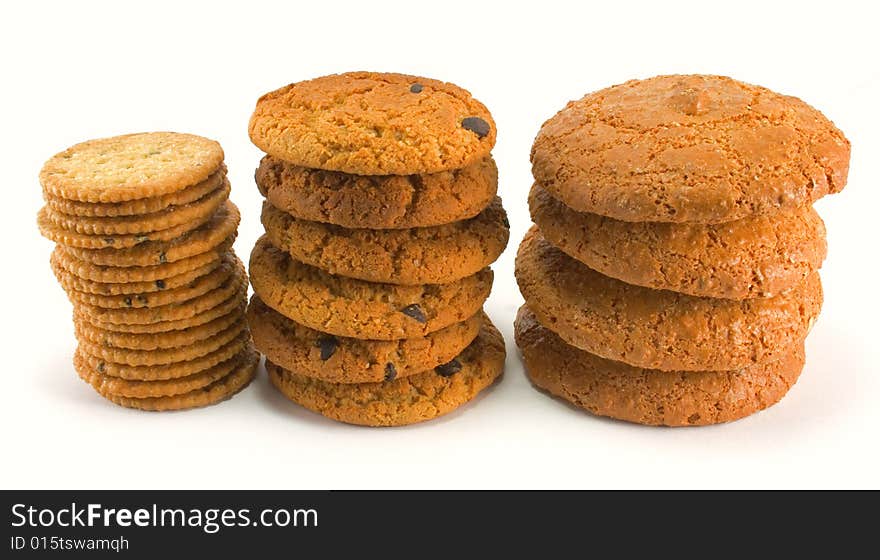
x=63, y=524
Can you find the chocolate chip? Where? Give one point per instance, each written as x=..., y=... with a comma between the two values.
x=328, y=346
x=109, y=240
x=142, y=299
x=415, y=312
x=415, y=88
x=162, y=258
x=476, y=125
x=127, y=301
x=160, y=284
x=100, y=367
x=448, y=369
x=390, y=372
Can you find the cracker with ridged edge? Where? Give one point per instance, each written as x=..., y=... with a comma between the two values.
x=137, y=206
x=197, y=212
x=85, y=330
x=135, y=389
x=407, y=400
x=217, y=234
x=194, y=289
x=131, y=166
x=166, y=371
x=73, y=239
x=165, y=356
x=218, y=391
x=177, y=311
x=126, y=274
x=69, y=281
x=235, y=300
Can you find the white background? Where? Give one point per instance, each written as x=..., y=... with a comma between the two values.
x=74, y=70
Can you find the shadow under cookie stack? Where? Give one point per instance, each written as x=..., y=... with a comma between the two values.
x=671, y=277
x=144, y=232
x=381, y=222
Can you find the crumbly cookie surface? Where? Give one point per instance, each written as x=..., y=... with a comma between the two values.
x=657, y=398
x=406, y=400
x=424, y=255
x=689, y=148
x=378, y=201
x=312, y=353
x=370, y=123
x=758, y=256
x=358, y=309
x=659, y=329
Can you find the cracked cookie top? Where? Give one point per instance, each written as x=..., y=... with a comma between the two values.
x=369, y=123
x=694, y=148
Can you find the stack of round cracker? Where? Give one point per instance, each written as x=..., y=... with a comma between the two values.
x=671, y=277
x=144, y=232
x=381, y=222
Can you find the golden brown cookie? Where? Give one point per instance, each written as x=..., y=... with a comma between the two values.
x=323, y=356
x=194, y=289
x=85, y=331
x=137, y=206
x=193, y=214
x=177, y=311
x=165, y=371
x=134, y=389
x=217, y=234
x=370, y=123
x=378, y=201
x=657, y=398
x=429, y=255
x=659, y=329
x=696, y=148
x=130, y=167
x=757, y=256
x=70, y=238
x=358, y=309
x=406, y=400
x=67, y=262
x=201, y=395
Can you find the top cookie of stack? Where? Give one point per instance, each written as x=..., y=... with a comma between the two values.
x=144, y=230
x=381, y=221
x=671, y=278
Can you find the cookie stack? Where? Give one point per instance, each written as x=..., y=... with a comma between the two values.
x=671, y=278
x=144, y=232
x=381, y=222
